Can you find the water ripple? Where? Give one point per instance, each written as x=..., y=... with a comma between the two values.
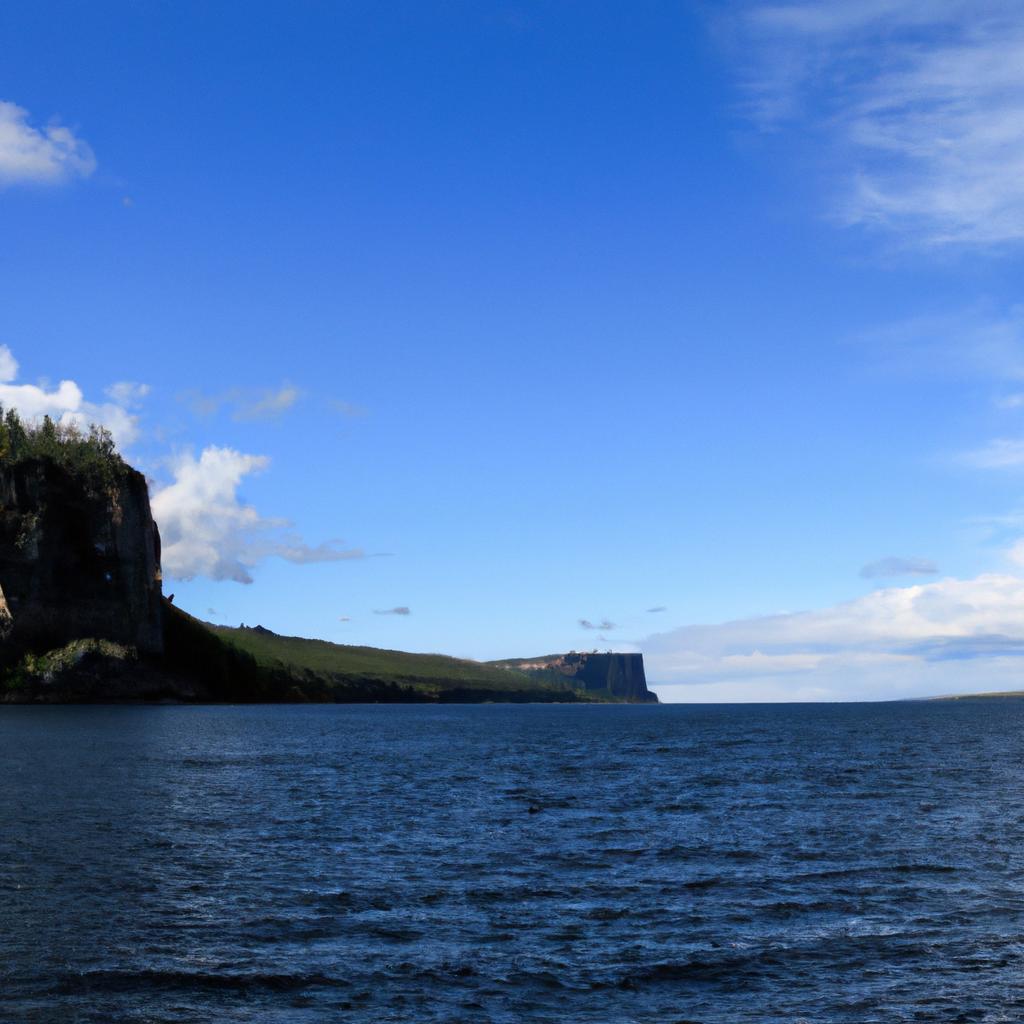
x=826, y=864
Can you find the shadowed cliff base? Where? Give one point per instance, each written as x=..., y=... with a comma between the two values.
x=215, y=664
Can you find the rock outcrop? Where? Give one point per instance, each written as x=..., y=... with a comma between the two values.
x=617, y=676
x=79, y=557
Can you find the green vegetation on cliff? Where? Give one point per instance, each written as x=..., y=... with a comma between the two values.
x=89, y=455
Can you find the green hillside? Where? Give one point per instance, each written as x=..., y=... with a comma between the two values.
x=426, y=670
x=247, y=663
x=203, y=663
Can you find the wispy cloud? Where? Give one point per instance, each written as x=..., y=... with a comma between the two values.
x=48, y=155
x=896, y=566
x=979, y=341
x=244, y=405
x=890, y=643
x=400, y=610
x=603, y=625
x=269, y=405
x=347, y=409
x=656, y=609
x=922, y=99
x=207, y=530
x=999, y=453
x=128, y=393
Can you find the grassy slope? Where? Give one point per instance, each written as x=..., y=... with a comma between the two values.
x=203, y=663
x=322, y=656
x=432, y=674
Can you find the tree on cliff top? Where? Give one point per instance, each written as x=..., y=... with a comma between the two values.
x=90, y=454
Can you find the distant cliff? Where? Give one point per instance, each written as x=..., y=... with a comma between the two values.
x=612, y=676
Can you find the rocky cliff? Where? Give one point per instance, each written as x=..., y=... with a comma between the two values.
x=79, y=557
x=618, y=676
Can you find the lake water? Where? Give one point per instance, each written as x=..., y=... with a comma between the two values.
x=565, y=864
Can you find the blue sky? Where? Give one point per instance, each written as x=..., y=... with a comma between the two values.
x=512, y=315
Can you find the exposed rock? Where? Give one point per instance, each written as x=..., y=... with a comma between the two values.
x=94, y=671
x=6, y=619
x=78, y=559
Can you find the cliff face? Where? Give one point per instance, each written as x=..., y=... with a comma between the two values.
x=77, y=559
x=620, y=676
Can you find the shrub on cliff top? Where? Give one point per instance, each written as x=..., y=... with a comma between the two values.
x=90, y=454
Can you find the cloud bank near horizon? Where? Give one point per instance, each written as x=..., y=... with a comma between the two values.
x=951, y=635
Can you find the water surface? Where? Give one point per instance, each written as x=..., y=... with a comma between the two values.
x=815, y=863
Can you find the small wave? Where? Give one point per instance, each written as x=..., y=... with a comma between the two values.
x=126, y=981
x=703, y=883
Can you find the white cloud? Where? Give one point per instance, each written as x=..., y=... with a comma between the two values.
x=207, y=530
x=948, y=636
x=923, y=100
x=64, y=404
x=202, y=523
x=47, y=155
x=8, y=365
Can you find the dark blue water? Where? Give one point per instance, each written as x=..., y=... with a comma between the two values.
x=565, y=864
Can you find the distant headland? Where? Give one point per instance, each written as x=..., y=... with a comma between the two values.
x=83, y=617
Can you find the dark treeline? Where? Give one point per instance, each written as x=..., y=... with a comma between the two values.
x=90, y=453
